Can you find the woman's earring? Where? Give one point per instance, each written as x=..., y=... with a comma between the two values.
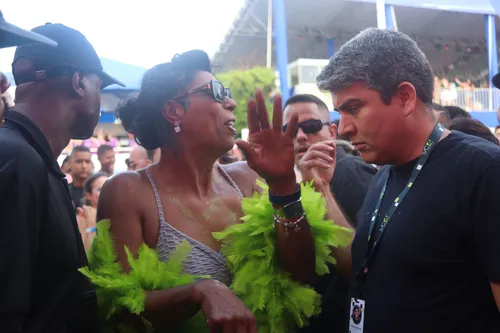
x=177, y=127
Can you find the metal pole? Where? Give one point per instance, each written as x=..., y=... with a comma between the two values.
x=331, y=47
x=269, y=33
x=281, y=46
x=491, y=42
x=390, y=17
x=381, y=18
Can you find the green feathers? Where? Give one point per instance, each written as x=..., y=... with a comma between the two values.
x=279, y=304
x=118, y=291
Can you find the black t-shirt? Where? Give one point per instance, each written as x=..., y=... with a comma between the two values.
x=441, y=248
x=77, y=195
x=40, y=246
x=349, y=184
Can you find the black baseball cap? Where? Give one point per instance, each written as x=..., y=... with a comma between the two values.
x=73, y=53
x=11, y=35
x=496, y=80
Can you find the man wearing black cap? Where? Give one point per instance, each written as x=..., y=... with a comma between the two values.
x=57, y=99
x=10, y=35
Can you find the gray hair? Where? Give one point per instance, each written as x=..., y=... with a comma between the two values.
x=381, y=59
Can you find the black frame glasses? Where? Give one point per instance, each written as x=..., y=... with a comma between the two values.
x=214, y=87
x=309, y=126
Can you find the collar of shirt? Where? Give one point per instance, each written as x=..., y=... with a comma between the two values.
x=32, y=133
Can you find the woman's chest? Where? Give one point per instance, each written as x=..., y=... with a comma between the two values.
x=196, y=218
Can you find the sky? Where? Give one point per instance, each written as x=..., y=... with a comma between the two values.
x=142, y=33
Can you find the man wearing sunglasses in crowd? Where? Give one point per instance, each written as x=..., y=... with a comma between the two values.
x=57, y=99
x=11, y=35
x=343, y=179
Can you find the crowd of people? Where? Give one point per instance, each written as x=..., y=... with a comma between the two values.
x=389, y=214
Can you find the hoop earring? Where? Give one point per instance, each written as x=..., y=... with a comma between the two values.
x=177, y=127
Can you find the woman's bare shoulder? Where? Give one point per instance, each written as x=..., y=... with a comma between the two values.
x=243, y=176
x=121, y=191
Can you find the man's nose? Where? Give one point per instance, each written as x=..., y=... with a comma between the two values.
x=301, y=135
x=345, y=127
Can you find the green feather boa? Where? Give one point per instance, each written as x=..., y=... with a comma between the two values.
x=279, y=304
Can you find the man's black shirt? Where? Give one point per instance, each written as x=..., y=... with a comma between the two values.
x=441, y=248
x=351, y=180
x=77, y=194
x=349, y=184
x=40, y=246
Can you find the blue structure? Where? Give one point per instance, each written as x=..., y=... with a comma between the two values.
x=390, y=18
x=491, y=45
x=490, y=8
x=281, y=46
x=330, y=42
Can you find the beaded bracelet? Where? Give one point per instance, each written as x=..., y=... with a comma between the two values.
x=287, y=225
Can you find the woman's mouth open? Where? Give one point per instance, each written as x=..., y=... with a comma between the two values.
x=230, y=124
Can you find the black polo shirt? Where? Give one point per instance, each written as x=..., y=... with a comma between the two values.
x=441, y=249
x=40, y=245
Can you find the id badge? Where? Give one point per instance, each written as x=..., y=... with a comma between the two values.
x=356, y=315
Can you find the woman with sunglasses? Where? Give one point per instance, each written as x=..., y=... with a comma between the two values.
x=185, y=112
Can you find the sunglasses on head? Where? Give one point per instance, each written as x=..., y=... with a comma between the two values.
x=214, y=88
x=310, y=126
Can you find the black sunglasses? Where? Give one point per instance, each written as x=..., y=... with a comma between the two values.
x=214, y=88
x=310, y=126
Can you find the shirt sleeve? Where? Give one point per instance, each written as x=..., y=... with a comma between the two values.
x=486, y=221
x=20, y=201
x=350, y=188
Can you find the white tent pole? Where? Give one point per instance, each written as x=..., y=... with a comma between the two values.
x=269, y=33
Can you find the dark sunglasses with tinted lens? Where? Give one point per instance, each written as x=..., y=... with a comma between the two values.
x=214, y=88
x=310, y=126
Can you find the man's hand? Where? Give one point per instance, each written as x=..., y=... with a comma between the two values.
x=224, y=311
x=318, y=163
x=86, y=218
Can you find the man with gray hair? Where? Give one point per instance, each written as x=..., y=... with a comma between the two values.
x=426, y=255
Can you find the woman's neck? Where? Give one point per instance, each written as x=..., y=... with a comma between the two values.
x=189, y=169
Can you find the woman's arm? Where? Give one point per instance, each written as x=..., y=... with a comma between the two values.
x=120, y=203
x=295, y=249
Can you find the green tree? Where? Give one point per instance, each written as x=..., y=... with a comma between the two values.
x=243, y=85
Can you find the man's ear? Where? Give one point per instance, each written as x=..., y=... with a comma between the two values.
x=332, y=128
x=78, y=84
x=406, y=95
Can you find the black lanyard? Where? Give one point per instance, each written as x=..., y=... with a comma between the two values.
x=371, y=252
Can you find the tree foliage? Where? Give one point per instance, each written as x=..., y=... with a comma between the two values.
x=243, y=84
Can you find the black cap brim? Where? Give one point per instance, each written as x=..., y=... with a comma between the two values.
x=496, y=80
x=108, y=80
x=11, y=35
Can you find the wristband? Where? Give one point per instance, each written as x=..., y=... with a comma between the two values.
x=283, y=200
x=291, y=211
x=89, y=230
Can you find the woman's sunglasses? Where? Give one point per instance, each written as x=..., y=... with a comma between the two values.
x=310, y=126
x=214, y=88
